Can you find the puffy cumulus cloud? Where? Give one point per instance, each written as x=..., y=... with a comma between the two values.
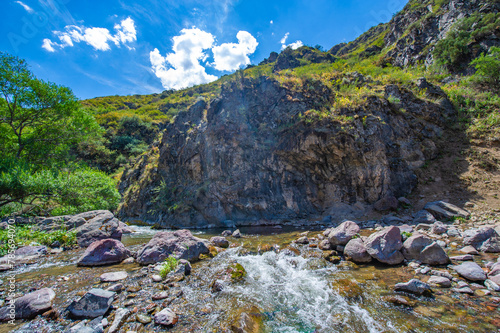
x=182, y=68
x=231, y=56
x=294, y=45
x=98, y=38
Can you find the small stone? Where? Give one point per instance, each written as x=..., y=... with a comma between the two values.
x=482, y=292
x=143, y=319
x=302, y=240
x=492, y=286
x=166, y=317
x=160, y=296
x=120, y=316
x=399, y=300
x=116, y=287
x=439, y=281
x=219, y=241
x=130, y=260
x=465, y=257
x=414, y=286
x=237, y=234
x=464, y=290
x=469, y=250
x=94, y=303
x=470, y=271
x=156, y=278
x=114, y=276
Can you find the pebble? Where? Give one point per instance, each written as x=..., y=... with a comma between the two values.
x=156, y=278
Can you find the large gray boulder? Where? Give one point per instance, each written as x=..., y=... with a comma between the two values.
x=485, y=239
x=104, y=252
x=445, y=210
x=470, y=271
x=102, y=226
x=94, y=303
x=385, y=246
x=355, y=250
x=30, y=305
x=343, y=233
x=424, y=249
x=424, y=217
x=80, y=219
x=181, y=244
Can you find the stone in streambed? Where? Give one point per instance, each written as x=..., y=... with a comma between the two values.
x=414, y=286
x=385, y=245
x=422, y=248
x=94, y=303
x=485, y=239
x=102, y=226
x=470, y=271
x=30, y=305
x=143, y=319
x=120, y=316
x=439, y=281
x=113, y=276
x=219, y=242
x=343, y=233
x=166, y=317
x=104, y=252
x=355, y=250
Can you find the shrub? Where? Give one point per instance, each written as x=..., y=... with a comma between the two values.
x=488, y=66
x=168, y=265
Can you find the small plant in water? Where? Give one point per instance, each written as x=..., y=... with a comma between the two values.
x=356, y=236
x=406, y=234
x=168, y=265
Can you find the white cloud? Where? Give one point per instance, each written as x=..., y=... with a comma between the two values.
x=182, y=68
x=295, y=45
x=26, y=7
x=98, y=38
x=272, y=22
x=47, y=44
x=231, y=56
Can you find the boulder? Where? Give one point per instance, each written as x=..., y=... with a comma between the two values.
x=181, y=244
x=343, y=233
x=385, y=245
x=94, y=303
x=355, y=250
x=445, y=210
x=125, y=228
x=80, y=219
x=414, y=286
x=24, y=254
x=166, y=317
x=470, y=271
x=237, y=233
x=439, y=281
x=424, y=249
x=325, y=245
x=302, y=240
x=480, y=238
x=439, y=228
x=469, y=250
x=219, y=241
x=102, y=226
x=226, y=233
x=113, y=276
x=29, y=305
x=491, y=245
x=104, y=252
x=423, y=217
x=387, y=203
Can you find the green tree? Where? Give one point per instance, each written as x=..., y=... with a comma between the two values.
x=39, y=120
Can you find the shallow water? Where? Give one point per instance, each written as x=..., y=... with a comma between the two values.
x=282, y=291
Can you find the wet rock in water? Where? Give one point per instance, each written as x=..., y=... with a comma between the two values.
x=442, y=274
x=445, y=210
x=160, y=296
x=482, y=292
x=219, y=242
x=226, y=233
x=325, y=245
x=491, y=285
x=120, y=316
x=302, y=240
x=331, y=256
x=29, y=305
x=166, y=317
x=129, y=260
x=143, y=319
x=423, y=217
x=187, y=266
x=181, y=244
x=237, y=234
x=355, y=250
x=385, y=245
x=94, y=303
x=116, y=287
x=399, y=300
x=465, y=257
x=102, y=226
x=113, y=276
x=463, y=290
x=343, y=233
x=23, y=254
x=414, y=286
x=156, y=278
x=125, y=228
x=484, y=239
x=469, y=250
x=104, y=252
x=348, y=288
x=470, y=271
x=439, y=281
x=424, y=249
x=248, y=322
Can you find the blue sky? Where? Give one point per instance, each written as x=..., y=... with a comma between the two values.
x=123, y=47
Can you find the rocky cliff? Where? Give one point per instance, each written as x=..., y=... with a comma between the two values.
x=249, y=156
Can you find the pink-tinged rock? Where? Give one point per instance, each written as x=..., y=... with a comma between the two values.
x=104, y=252
x=181, y=244
x=166, y=317
x=355, y=250
x=424, y=249
x=102, y=226
x=385, y=246
x=30, y=305
x=343, y=233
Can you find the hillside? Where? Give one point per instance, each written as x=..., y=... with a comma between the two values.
x=312, y=135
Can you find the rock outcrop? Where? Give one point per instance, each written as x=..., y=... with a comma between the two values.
x=247, y=157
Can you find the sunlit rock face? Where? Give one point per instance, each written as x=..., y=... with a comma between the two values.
x=250, y=156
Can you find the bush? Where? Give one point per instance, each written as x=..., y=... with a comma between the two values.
x=488, y=67
x=168, y=265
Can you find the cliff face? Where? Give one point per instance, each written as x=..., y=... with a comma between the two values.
x=249, y=156
x=411, y=36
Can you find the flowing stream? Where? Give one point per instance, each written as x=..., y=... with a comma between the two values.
x=291, y=289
